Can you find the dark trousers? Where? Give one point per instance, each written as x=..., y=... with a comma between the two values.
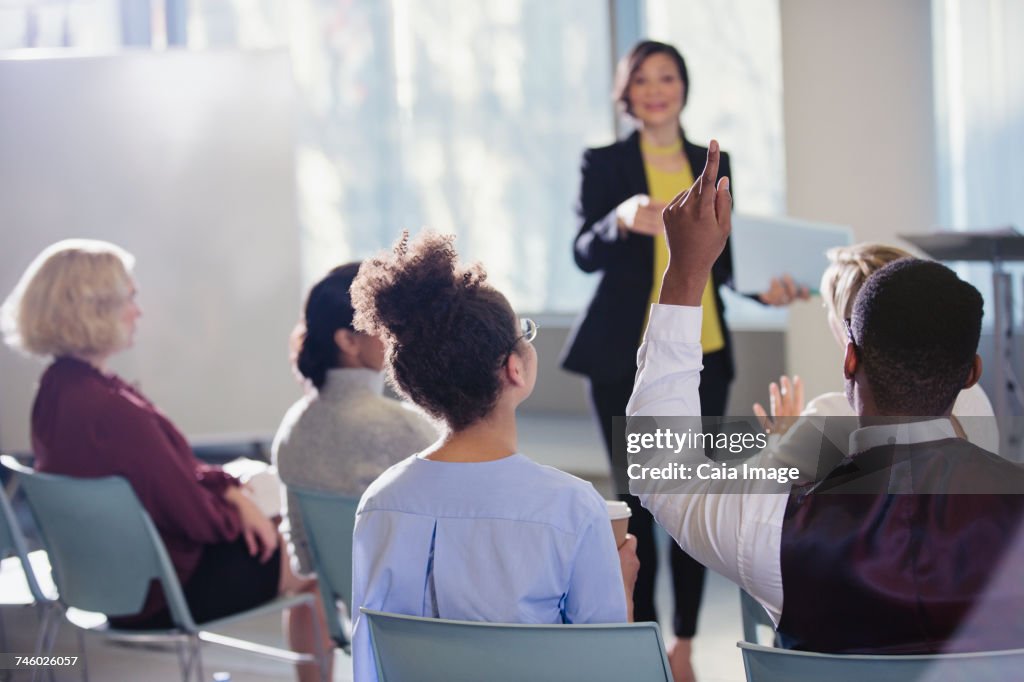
x=609, y=400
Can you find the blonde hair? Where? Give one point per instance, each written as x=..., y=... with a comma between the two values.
x=849, y=268
x=67, y=301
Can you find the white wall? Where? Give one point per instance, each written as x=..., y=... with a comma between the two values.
x=860, y=143
x=185, y=159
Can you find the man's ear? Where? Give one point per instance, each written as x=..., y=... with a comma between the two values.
x=850, y=361
x=974, y=374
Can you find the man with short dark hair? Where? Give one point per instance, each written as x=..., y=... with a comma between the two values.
x=915, y=331
x=899, y=548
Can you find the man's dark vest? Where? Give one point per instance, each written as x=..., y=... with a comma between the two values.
x=936, y=566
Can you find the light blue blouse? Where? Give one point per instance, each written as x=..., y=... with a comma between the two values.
x=507, y=541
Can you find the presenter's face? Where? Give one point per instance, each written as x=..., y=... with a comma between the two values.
x=656, y=91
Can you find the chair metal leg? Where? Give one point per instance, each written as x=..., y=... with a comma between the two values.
x=190, y=659
x=47, y=637
x=318, y=649
x=183, y=663
x=199, y=658
x=49, y=619
x=5, y=675
x=81, y=651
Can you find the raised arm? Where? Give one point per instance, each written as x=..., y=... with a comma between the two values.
x=719, y=523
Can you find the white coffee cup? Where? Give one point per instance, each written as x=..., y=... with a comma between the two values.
x=619, y=514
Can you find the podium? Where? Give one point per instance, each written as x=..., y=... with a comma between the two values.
x=997, y=247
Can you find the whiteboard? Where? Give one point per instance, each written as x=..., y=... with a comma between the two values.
x=186, y=160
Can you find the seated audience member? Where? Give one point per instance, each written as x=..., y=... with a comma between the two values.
x=343, y=435
x=76, y=303
x=469, y=528
x=849, y=267
x=860, y=562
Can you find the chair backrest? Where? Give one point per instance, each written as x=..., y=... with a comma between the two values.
x=409, y=648
x=104, y=550
x=328, y=520
x=753, y=614
x=12, y=543
x=767, y=664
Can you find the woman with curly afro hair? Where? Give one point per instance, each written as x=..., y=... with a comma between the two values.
x=471, y=529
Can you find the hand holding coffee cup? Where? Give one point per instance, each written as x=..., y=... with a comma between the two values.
x=619, y=514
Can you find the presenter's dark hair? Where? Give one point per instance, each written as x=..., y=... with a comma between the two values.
x=916, y=327
x=630, y=64
x=447, y=332
x=328, y=309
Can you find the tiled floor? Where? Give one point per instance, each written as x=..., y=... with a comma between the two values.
x=571, y=443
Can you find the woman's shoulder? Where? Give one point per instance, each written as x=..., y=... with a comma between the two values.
x=376, y=419
x=392, y=483
x=554, y=478
x=578, y=498
x=77, y=387
x=615, y=149
x=513, y=487
x=290, y=426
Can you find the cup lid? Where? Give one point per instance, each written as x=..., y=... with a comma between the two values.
x=618, y=510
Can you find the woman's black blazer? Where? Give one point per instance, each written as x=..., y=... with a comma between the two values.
x=604, y=341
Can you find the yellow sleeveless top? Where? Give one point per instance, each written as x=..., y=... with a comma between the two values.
x=664, y=186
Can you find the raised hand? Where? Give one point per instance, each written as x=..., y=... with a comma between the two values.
x=786, y=404
x=697, y=224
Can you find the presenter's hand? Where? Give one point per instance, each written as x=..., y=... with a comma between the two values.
x=642, y=215
x=783, y=291
x=786, y=400
x=697, y=224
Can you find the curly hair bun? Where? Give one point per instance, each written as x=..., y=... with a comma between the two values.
x=415, y=289
x=444, y=327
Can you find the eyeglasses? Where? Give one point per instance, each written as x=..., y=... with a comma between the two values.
x=528, y=329
x=849, y=331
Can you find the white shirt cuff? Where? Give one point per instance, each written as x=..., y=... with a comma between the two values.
x=674, y=323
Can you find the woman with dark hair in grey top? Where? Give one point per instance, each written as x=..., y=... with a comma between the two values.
x=344, y=432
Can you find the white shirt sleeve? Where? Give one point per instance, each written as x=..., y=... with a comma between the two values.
x=732, y=527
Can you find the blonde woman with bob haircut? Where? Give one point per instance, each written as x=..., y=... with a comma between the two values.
x=76, y=304
x=849, y=268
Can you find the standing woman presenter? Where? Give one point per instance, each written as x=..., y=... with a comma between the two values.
x=624, y=188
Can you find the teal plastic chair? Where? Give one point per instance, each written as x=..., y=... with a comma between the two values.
x=768, y=664
x=328, y=520
x=19, y=570
x=753, y=615
x=104, y=551
x=412, y=649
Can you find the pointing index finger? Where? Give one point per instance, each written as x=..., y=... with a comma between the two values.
x=710, y=174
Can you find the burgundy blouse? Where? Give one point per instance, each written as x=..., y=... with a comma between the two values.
x=90, y=424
